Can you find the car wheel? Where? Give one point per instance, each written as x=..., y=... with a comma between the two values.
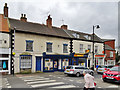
x=77, y=74
x=92, y=73
x=104, y=80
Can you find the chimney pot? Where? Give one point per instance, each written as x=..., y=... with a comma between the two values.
x=5, y=10
x=24, y=19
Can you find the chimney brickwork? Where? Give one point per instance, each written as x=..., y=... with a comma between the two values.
x=5, y=10
x=65, y=27
x=49, y=22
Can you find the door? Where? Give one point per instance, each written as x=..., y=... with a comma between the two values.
x=56, y=65
x=38, y=63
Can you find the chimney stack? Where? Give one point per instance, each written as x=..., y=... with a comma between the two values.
x=5, y=10
x=64, y=27
x=23, y=18
x=49, y=22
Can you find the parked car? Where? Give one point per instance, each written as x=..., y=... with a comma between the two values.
x=112, y=75
x=102, y=69
x=77, y=70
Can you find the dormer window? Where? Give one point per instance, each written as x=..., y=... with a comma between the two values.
x=87, y=37
x=76, y=35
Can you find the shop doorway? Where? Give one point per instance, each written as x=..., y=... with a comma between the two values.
x=56, y=65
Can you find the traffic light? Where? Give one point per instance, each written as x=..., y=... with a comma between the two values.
x=71, y=46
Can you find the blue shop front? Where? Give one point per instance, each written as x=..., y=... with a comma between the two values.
x=52, y=62
x=79, y=59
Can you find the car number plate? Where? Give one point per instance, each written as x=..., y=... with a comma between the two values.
x=67, y=71
x=100, y=70
x=109, y=77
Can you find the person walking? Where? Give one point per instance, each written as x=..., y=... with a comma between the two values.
x=89, y=81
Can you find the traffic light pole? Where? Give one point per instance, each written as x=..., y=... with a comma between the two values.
x=12, y=50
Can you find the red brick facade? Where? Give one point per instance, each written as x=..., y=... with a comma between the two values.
x=111, y=44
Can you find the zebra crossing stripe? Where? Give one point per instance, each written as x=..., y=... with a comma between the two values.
x=30, y=77
x=29, y=80
x=64, y=86
x=47, y=84
x=40, y=82
x=113, y=86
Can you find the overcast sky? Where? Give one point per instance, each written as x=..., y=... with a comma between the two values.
x=79, y=15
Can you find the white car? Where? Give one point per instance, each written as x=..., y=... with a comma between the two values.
x=102, y=69
x=77, y=70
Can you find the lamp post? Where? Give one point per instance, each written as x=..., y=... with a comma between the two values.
x=97, y=27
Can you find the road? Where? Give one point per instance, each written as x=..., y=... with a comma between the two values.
x=56, y=80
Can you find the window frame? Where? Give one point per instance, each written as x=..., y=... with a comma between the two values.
x=26, y=45
x=66, y=48
x=49, y=43
x=81, y=49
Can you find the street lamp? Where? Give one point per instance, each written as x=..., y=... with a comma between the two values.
x=97, y=27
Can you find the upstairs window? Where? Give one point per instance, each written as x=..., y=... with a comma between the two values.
x=49, y=47
x=111, y=54
x=29, y=45
x=65, y=48
x=81, y=48
x=89, y=48
x=96, y=49
x=87, y=37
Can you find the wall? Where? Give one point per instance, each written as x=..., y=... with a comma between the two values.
x=111, y=43
x=39, y=46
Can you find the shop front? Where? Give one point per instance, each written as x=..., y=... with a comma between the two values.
x=52, y=62
x=99, y=59
x=79, y=59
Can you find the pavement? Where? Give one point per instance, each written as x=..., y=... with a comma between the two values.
x=50, y=81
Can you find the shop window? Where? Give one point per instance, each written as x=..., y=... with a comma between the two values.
x=4, y=65
x=65, y=63
x=65, y=48
x=81, y=48
x=29, y=45
x=48, y=64
x=49, y=47
x=26, y=62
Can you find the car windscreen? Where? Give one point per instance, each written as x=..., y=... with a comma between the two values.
x=103, y=66
x=115, y=69
x=69, y=67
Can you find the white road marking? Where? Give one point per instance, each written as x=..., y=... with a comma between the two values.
x=113, y=86
x=29, y=80
x=47, y=84
x=59, y=77
x=35, y=82
x=98, y=87
x=70, y=80
x=64, y=86
x=31, y=77
x=50, y=75
x=8, y=86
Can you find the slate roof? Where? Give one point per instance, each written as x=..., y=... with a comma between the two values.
x=43, y=29
x=107, y=47
x=36, y=28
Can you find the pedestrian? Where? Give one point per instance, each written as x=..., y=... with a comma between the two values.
x=89, y=81
x=97, y=67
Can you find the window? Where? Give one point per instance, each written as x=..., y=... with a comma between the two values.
x=89, y=48
x=81, y=48
x=111, y=54
x=4, y=65
x=29, y=45
x=65, y=48
x=26, y=62
x=49, y=47
x=76, y=35
x=96, y=49
x=87, y=37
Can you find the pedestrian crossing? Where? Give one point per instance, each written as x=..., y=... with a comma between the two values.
x=44, y=82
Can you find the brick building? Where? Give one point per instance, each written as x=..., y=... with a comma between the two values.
x=110, y=51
